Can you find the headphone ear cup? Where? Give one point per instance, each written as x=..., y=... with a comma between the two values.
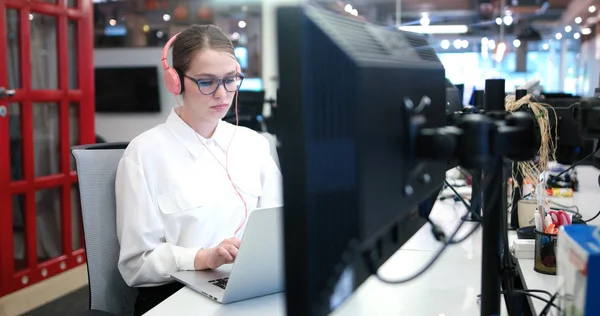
x=173, y=81
x=181, y=80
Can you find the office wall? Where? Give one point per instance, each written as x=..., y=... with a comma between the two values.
x=589, y=59
x=124, y=127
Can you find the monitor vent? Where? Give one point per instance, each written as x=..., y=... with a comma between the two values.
x=330, y=97
x=354, y=35
x=420, y=44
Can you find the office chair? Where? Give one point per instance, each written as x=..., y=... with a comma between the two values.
x=273, y=144
x=96, y=167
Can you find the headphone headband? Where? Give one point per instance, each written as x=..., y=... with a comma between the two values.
x=173, y=79
x=165, y=51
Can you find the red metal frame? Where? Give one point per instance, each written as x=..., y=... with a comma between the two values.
x=11, y=280
x=6, y=258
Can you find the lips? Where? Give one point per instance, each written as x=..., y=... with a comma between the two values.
x=220, y=107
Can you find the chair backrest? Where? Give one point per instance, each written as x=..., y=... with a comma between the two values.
x=96, y=171
x=273, y=145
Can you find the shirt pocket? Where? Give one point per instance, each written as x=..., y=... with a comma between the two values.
x=177, y=202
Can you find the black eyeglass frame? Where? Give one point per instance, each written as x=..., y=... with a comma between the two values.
x=219, y=83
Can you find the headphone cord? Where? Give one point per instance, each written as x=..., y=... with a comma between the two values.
x=226, y=165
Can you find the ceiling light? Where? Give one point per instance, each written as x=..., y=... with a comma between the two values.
x=425, y=20
x=166, y=17
x=492, y=44
x=242, y=24
x=586, y=31
x=354, y=12
x=516, y=43
x=578, y=20
x=112, y=22
x=457, y=44
x=464, y=44
x=545, y=46
x=445, y=44
x=592, y=9
x=576, y=35
x=348, y=8
x=436, y=29
x=558, y=36
x=499, y=21
x=568, y=28
x=508, y=20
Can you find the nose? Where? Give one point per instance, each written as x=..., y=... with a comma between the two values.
x=220, y=92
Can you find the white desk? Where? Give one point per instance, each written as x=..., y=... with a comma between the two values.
x=449, y=287
x=589, y=204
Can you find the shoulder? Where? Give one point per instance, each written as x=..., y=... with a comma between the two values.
x=147, y=143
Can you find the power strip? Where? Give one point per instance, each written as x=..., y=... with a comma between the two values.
x=523, y=248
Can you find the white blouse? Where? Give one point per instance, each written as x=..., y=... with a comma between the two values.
x=174, y=198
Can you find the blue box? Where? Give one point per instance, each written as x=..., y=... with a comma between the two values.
x=578, y=270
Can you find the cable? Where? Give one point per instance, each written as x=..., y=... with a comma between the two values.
x=507, y=268
x=528, y=293
x=580, y=161
x=567, y=208
x=546, y=308
x=467, y=205
x=575, y=213
x=373, y=270
x=593, y=218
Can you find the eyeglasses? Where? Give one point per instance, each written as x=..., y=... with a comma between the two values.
x=209, y=86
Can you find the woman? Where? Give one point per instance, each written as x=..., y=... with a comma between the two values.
x=184, y=188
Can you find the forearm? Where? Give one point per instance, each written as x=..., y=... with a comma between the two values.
x=155, y=266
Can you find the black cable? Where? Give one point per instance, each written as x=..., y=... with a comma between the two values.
x=593, y=218
x=546, y=308
x=580, y=161
x=468, y=206
x=576, y=212
x=373, y=270
x=528, y=293
x=507, y=266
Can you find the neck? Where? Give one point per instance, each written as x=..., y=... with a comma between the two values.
x=203, y=127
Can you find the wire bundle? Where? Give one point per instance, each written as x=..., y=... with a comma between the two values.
x=532, y=169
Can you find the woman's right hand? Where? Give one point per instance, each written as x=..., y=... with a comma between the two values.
x=212, y=258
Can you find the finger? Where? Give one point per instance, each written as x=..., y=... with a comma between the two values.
x=224, y=253
x=232, y=250
x=234, y=241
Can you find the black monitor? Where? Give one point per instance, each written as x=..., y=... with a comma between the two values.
x=350, y=95
x=127, y=89
x=454, y=102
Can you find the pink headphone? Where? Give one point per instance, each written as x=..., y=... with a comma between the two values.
x=173, y=79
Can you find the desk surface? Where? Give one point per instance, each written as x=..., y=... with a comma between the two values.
x=589, y=204
x=436, y=292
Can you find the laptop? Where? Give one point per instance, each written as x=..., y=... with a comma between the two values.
x=258, y=269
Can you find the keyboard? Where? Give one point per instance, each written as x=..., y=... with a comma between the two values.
x=222, y=283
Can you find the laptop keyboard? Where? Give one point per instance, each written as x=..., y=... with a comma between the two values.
x=222, y=283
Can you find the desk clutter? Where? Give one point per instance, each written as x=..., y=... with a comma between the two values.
x=555, y=236
x=578, y=264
